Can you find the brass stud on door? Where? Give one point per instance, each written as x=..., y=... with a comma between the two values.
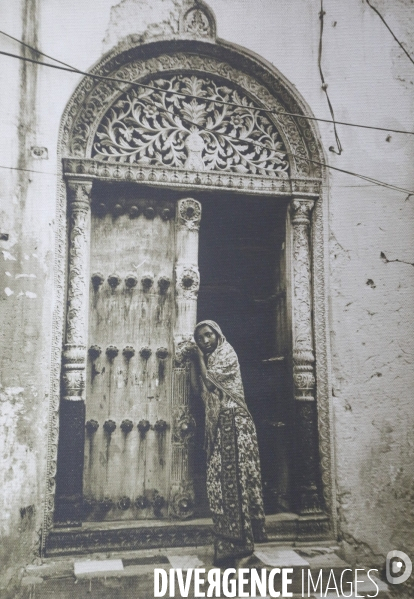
x=94, y=352
x=147, y=282
x=131, y=281
x=166, y=213
x=143, y=426
x=163, y=284
x=128, y=352
x=97, y=280
x=118, y=209
x=149, y=212
x=112, y=352
x=109, y=426
x=106, y=504
x=158, y=502
x=124, y=503
x=127, y=426
x=142, y=502
x=114, y=280
x=92, y=426
x=134, y=211
x=162, y=353
x=101, y=209
x=160, y=426
x=145, y=352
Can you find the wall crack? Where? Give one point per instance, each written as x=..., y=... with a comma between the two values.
x=387, y=260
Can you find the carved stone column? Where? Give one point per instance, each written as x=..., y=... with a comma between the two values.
x=187, y=285
x=72, y=405
x=308, y=470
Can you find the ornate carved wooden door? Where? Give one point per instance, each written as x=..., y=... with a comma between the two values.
x=143, y=289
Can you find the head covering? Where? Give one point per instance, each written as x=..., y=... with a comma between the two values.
x=223, y=368
x=215, y=327
x=223, y=371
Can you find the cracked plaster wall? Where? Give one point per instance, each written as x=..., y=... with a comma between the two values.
x=371, y=276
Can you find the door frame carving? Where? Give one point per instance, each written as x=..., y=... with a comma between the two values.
x=304, y=187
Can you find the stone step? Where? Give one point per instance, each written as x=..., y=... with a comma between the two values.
x=132, y=573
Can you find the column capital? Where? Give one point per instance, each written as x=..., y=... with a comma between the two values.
x=301, y=210
x=79, y=193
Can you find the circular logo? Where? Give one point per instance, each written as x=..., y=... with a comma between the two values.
x=398, y=567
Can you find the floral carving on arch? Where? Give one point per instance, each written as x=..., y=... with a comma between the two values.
x=119, y=122
x=193, y=131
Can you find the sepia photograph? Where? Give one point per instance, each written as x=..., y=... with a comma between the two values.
x=207, y=293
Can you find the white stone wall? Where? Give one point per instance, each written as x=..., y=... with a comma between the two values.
x=371, y=255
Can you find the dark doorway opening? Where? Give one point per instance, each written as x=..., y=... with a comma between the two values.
x=243, y=288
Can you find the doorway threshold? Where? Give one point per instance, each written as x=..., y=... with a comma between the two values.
x=94, y=537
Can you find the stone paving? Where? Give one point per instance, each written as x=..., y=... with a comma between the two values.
x=130, y=575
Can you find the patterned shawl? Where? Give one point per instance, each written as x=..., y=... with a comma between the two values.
x=223, y=371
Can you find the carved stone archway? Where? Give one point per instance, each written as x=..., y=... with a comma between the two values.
x=185, y=114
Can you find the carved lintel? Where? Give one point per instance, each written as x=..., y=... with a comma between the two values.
x=188, y=281
x=188, y=179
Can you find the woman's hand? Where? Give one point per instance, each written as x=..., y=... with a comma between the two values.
x=189, y=351
x=198, y=354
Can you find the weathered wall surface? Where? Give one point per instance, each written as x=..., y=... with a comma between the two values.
x=370, y=236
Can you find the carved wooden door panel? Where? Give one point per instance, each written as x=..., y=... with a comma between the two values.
x=133, y=430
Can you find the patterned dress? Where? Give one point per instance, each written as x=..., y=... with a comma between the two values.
x=234, y=487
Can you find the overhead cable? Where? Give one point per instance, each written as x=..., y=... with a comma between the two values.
x=70, y=69
x=325, y=85
x=309, y=160
x=65, y=67
x=391, y=31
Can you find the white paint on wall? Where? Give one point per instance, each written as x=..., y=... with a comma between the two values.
x=7, y=255
x=13, y=390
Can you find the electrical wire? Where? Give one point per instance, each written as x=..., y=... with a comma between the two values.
x=36, y=51
x=325, y=85
x=70, y=69
x=311, y=161
x=367, y=178
x=390, y=30
x=27, y=170
x=66, y=67
x=373, y=182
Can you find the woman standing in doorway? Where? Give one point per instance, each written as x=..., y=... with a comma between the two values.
x=233, y=468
